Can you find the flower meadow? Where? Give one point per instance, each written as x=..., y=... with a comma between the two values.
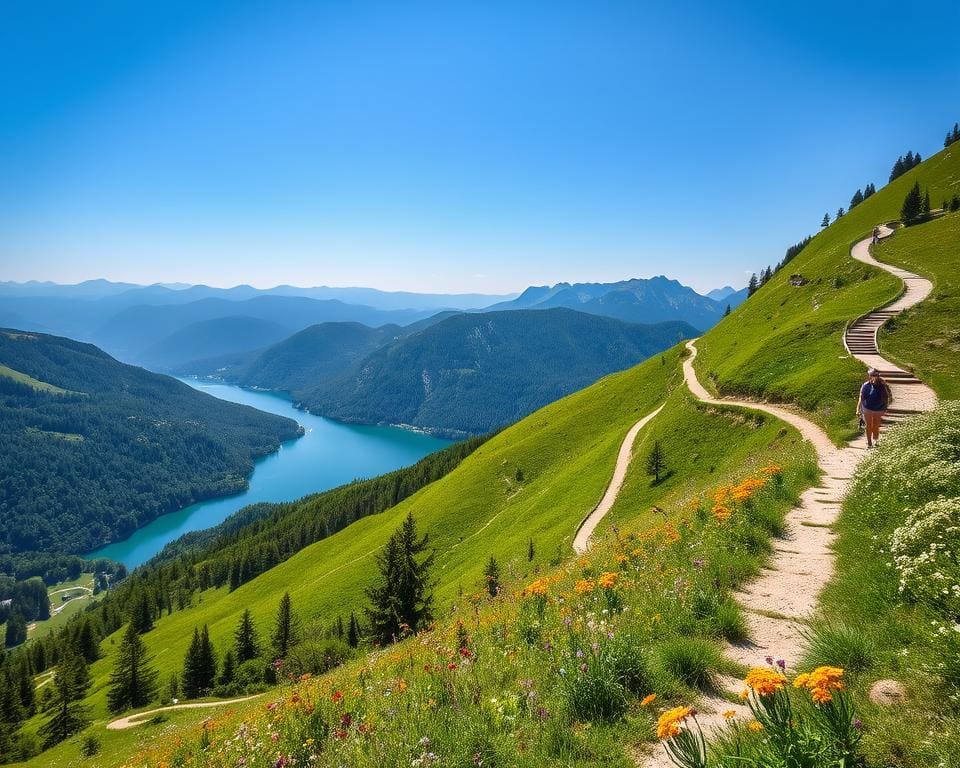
x=570, y=666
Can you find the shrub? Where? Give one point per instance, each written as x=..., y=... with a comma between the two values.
x=689, y=660
x=89, y=746
x=842, y=644
x=924, y=553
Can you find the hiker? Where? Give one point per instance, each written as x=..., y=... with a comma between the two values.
x=876, y=235
x=874, y=399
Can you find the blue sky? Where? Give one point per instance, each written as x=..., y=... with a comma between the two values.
x=450, y=146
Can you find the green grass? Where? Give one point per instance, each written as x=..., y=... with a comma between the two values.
x=785, y=343
x=40, y=386
x=926, y=338
x=71, y=608
x=566, y=452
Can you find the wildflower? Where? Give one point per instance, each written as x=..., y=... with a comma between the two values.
x=729, y=714
x=336, y=697
x=755, y=726
x=765, y=682
x=648, y=699
x=584, y=587
x=670, y=721
x=820, y=683
x=608, y=580
x=721, y=513
x=772, y=469
x=538, y=588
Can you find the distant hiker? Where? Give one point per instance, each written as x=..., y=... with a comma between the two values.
x=876, y=235
x=875, y=397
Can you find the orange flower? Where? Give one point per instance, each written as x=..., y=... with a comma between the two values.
x=584, y=587
x=765, y=682
x=721, y=513
x=820, y=683
x=648, y=699
x=670, y=721
x=730, y=713
x=772, y=469
x=755, y=726
x=608, y=580
x=538, y=588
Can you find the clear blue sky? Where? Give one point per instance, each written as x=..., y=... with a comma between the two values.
x=450, y=146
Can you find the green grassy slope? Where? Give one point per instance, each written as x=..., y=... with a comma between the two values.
x=566, y=453
x=926, y=338
x=40, y=386
x=785, y=343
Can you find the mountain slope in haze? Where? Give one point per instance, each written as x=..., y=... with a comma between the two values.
x=472, y=373
x=220, y=336
x=653, y=300
x=728, y=295
x=93, y=448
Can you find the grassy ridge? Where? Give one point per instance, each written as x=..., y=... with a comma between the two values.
x=40, y=386
x=926, y=338
x=565, y=453
x=785, y=343
x=497, y=628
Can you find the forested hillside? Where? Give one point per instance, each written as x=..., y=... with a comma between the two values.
x=472, y=373
x=93, y=448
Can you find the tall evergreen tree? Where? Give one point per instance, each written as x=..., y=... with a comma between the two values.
x=925, y=205
x=826, y=221
x=898, y=169
x=491, y=575
x=16, y=631
x=246, y=644
x=200, y=665
x=531, y=552
x=752, y=285
x=912, y=204
x=856, y=199
x=401, y=599
x=656, y=461
x=840, y=212
x=286, y=628
x=141, y=612
x=133, y=681
x=65, y=714
x=88, y=644
x=727, y=311
x=353, y=631
x=228, y=668
x=869, y=190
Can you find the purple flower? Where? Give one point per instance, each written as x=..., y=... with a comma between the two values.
x=782, y=663
x=857, y=723
x=542, y=713
x=770, y=660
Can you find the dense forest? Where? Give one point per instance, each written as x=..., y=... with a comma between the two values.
x=472, y=373
x=94, y=449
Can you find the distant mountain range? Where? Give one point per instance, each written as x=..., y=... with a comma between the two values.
x=653, y=300
x=466, y=374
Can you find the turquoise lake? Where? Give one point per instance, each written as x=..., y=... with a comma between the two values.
x=329, y=454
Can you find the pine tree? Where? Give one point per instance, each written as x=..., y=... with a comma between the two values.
x=141, y=612
x=916, y=160
x=826, y=221
x=752, y=285
x=133, y=682
x=491, y=575
x=16, y=632
x=353, y=631
x=229, y=668
x=925, y=205
x=246, y=643
x=339, y=627
x=200, y=665
x=912, y=204
x=28, y=691
x=88, y=645
x=726, y=311
x=898, y=169
x=65, y=714
x=869, y=190
x=530, y=551
x=856, y=199
x=286, y=629
x=656, y=462
x=402, y=599
x=840, y=212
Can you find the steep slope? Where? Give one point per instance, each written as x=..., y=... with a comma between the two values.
x=472, y=373
x=94, y=448
x=785, y=343
x=219, y=336
x=653, y=300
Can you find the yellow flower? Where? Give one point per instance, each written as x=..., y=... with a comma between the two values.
x=772, y=469
x=820, y=683
x=730, y=713
x=755, y=726
x=670, y=721
x=765, y=682
x=538, y=588
x=648, y=699
x=584, y=587
x=721, y=513
x=608, y=580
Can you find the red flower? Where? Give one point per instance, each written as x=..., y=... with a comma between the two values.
x=337, y=697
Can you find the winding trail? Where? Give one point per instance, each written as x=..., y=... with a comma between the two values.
x=781, y=601
x=581, y=540
x=138, y=719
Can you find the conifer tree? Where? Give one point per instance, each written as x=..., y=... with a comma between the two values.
x=141, y=612
x=401, y=600
x=656, y=462
x=726, y=311
x=491, y=575
x=88, y=645
x=912, y=204
x=16, y=632
x=229, y=668
x=353, y=631
x=200, y=665
x=286, y=628
x=856, y=199
x=65, y=714
x=840, y=212
x=530, y=551
x=752, y=285
x=133, y=682
x=925, y=205
x=826, y=221
x=869, y=190
x=898, y=169
x=247, y=645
